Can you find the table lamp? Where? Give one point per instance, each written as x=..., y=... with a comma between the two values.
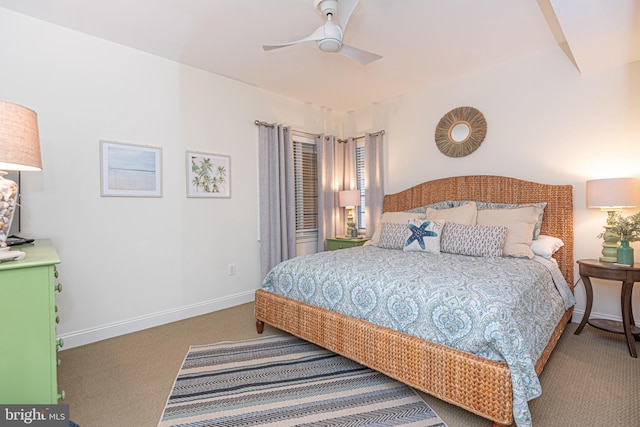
x=349, y=199
x=19, y=151
x=612, y=195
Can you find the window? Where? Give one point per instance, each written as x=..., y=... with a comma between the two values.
x=360, y=213
x=305, y=159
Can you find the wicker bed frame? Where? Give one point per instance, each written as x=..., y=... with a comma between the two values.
x=476, y=384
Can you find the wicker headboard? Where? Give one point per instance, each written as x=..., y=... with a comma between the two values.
x=558, y=214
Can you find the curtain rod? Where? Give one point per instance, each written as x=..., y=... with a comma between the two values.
x=315, y=135
x=259, y=123
x=270, y=125
x=380, y=132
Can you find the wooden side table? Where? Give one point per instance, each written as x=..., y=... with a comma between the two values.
x=628, y=275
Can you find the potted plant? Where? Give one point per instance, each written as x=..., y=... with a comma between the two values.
x=629, y=231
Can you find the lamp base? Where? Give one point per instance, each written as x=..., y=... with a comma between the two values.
x=352, y=230
x=610, y=245
x=8, y=196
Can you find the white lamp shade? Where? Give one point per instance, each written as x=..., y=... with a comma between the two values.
x=349, y=198
x=19, y=140
x=613, y=193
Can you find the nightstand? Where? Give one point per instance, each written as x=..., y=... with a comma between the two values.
x=628, y=275
x=336, y=243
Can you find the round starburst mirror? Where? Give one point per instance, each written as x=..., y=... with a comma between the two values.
x=461, y=131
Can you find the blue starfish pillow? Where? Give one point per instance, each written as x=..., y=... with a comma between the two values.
x=423, y=236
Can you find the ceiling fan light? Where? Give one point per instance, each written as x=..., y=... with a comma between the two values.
x=329, y=45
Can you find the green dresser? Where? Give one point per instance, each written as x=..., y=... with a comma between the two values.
x=28, y=359
x=341, y=243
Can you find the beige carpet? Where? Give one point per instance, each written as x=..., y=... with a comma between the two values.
x=590, y=380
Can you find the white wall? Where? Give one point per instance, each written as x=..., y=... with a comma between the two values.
x=546, y=123
x=131, y=263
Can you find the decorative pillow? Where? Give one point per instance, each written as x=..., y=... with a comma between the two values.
x=546, y=246
x=464, y=214
x=519, y=221
x=438, y=205
x=423, y=236
x=394, y=217
x=392, y=235
x=473, y=240
x=488, y=205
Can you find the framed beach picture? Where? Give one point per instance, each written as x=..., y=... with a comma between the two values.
x=208, y=175
x=129, y=170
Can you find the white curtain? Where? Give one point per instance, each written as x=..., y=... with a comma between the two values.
x=374, y=180
x=345, y=176
x=277, y=196
x=336, y=172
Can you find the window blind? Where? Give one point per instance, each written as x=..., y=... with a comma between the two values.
x=305, y=157
x=360, y=213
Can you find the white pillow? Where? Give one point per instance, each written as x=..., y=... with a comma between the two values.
x=546, y=246
x=519, y=221
x=423, y=236
x=394, y=217
x=465, y=214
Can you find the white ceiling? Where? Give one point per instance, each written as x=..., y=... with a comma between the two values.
x=423, y=42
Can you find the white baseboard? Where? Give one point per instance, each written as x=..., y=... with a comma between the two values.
x=99, y=333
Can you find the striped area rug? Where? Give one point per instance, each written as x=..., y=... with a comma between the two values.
x=285, y=381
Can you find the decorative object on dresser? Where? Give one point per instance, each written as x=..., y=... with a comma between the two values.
x=28, y=362
x=628, y=275
x=611, y=195
x=285, y=381
x=19, y=151
x=336, y=243
x=460, y=132
x=349, y=199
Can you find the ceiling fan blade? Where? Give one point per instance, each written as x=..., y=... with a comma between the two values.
x=358, y=55
x=318, y=34
x=345, y=10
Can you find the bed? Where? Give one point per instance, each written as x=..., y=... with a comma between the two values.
x=477, y=383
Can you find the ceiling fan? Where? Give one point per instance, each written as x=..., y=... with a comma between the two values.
x=329, y=36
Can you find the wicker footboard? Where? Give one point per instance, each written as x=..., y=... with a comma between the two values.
x=474, y=383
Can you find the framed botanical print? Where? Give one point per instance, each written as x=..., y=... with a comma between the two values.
x=208, y=175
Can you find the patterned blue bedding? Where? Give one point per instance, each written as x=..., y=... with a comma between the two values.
x=503, y=309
